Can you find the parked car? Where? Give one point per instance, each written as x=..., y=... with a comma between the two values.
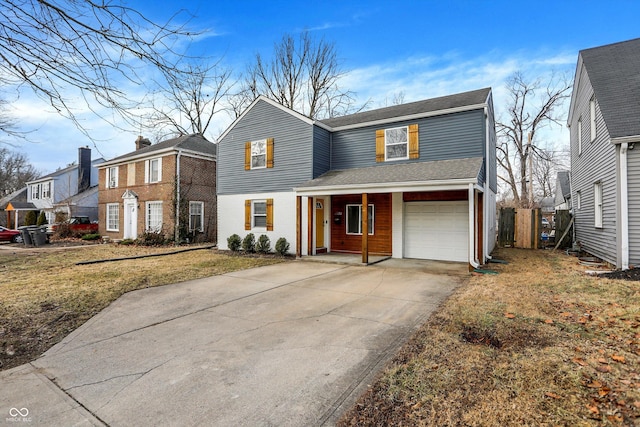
x=545, y=223
x=7, y=235
x=78, y=225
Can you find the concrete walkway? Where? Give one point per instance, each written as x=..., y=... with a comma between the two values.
x=292, y=344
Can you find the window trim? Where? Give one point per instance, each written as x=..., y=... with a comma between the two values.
x=112, y=177
x=117, y=216
x=147, y=170
x=578, y=200
x=46, y=185
x=35, y=192
x=147, y=216
x=580, y=136
x=406, y=143
x=251, y=156
x=254, y=215
x=592, y=117
x=201, y=214
x=598, y=209
x=370, y=224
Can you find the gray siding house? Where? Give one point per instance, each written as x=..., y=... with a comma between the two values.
x=416, y=180
x=604, y=121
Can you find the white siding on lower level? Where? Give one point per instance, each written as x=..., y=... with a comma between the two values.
x=231, y=218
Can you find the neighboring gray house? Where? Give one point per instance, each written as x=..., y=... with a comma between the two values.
x=72, y=190
x=563, y=191
x=604, y=121
x=424, y=171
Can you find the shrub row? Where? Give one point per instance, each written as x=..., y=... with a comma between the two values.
x=262, y=245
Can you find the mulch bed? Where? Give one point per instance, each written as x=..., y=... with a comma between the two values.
x=631, y=274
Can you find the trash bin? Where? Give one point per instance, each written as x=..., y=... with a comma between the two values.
x=38, y=236
x=26, y=236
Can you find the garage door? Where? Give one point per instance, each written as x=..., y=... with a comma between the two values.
x=437, y=230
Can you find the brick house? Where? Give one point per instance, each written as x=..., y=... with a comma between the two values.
x=139, y=191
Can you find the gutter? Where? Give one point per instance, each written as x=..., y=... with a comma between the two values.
x=624, y=207
x=472, y=247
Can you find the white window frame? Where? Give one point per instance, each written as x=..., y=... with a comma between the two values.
x=46, y=194
x=35, y=192
x=580, y=136
x=579, y=200
x=112, y=177
x=113, y=221
x=597, y=204
x=371, y=223
x=148, y=168
x=592, y=117
x=255, y=152
x=154, y=226
x=200, y=214
x=255, y=215
x=405, y=143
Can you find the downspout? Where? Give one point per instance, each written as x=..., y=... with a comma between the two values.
x=485, y=205
x=624, y=206
x=177, y=225
x=472, y=228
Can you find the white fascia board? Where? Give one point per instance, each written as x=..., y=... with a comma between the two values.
x=395, y=187
x=631, y=139
x=411, y=117
x=136, y=157
x=196, y=154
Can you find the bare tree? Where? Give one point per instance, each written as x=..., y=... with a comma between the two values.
x=186, y=104
x=533, y=105
x=89, y=46
x=303, y=74
x=15, y=171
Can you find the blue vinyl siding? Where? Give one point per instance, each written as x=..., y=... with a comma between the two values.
x=293, y=155
x=450, y=136
x=321, y=151
x=490, y=157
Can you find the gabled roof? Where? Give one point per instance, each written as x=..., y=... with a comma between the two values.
x=443, y=104
x=73, y=200
x=614, y=72
x=195, y=143
x=94, y=162
x=401, y=173
x=17, y=196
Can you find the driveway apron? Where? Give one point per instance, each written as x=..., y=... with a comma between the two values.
x=291, y=344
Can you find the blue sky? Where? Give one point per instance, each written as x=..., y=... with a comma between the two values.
x=421, y=48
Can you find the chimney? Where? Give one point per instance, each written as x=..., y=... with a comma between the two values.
x=84, y=168
x=142, y=142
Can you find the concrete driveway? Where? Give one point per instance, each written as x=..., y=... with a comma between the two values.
x=292, y=344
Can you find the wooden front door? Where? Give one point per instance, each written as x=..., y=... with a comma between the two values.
x=319, y=223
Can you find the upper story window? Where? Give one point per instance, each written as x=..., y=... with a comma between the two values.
x=592, y=117
x=35, y=192
x=258, y=154
x=153, y=170
x=112, y=177
x=46, y=190
x=580, y=136
x=397, y=143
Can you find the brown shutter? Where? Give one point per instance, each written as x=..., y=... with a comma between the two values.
x=269, y=214
x=247, y=214
x=247, y=156
x=414, y=143
x=380, y=145
x=269, y=152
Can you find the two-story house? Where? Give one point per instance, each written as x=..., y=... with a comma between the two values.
x=416, y=180
x=72, y=190
x=168, y=187
x=604, y=122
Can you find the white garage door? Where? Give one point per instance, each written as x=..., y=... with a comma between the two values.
x=437, y=230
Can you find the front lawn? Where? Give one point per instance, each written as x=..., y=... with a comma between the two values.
x=538, y=344
x=44, y=295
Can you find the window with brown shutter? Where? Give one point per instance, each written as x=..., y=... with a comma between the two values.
x=247, y=214
x=269, y=152
x=414, y=142
x=247, y=156
x=269, y=214
x=380, y=145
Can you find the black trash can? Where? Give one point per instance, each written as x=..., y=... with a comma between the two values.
x=26, y=236
x=38, y=236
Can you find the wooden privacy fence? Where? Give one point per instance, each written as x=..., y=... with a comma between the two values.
x=522, y=228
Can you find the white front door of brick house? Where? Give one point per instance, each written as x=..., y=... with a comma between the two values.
x=130, y=218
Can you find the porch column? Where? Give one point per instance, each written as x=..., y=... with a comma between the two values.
x=298, y=226
x=310, y=224
x=472, y=229
x=365, y=229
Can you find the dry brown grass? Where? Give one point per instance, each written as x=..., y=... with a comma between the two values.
x=538, y=344
x=44, y=295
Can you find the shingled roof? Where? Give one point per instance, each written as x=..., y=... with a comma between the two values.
x=420, y=172
x=458, y=100
x=194, y=142
x=614, y=72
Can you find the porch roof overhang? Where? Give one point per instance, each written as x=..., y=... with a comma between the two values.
x=439, y=175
